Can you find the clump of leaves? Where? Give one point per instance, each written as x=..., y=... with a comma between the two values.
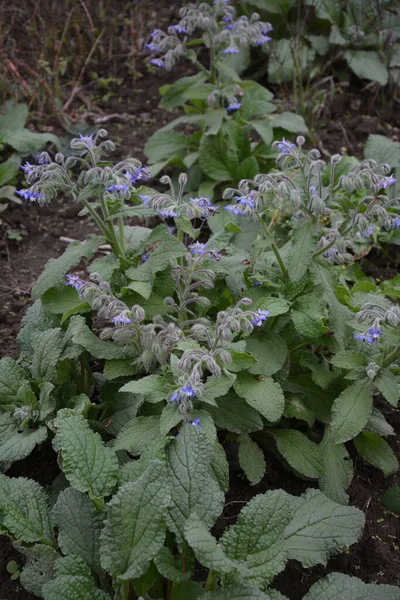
x=115, y=529
x=259, y=332
x=232, y=120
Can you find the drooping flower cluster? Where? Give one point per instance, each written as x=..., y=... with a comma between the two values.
x=388, y=314
x=225, y=33
x=50, y=177
x=174, y=204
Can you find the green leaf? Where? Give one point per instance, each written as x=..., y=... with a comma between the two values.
x=290, y=121
x=262, y=393
x=151, y=387
x=79, y=526
x=73, y=580
x=101, y=348
x=135, y=434
x=206, y=423
x=123, y=409
x=173, y=95
x=377, y=424
x=165, y=145
x=251, y=459
x=21, y=444
x=48, y=348
x=170, y=417
x=303, y=245
x=367, y=64
x=301, y=453
x=338, y=586
x=193, y=489
x=134, y=530
x=39, y=567
x=376, y=451
x=13, y=132
x=220, y=467
x=391, y=498
x=87, y=464
x=256, y=100
x=58, y=301
x=237, y=592
x=256, y=539
x=270, y=351
x=388, y=385
x=188, y=590
x=215, y=387
x=339, y=315
x=320, y=528
x=348, y=360
x=205, y=547
x=383, y=150
x=167, y=566
x=56, y=268
x=11, y=378
x=218, y=158
x=47, y=403
x=234, y=414
x=24, y=509
x=9, y=168
x=114, y=369
x=351, y=411
x=264, y=130
x=338, y=469
x=295, y=408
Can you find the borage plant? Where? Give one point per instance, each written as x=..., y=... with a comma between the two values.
x=126, y=529
x=259, y=331
x=231, y=120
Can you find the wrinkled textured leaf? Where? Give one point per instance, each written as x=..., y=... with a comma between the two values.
x=376, y=451
x=251, y=459
x=234, y=414
x=22, y=443
x=39, y=567
x=87, y=463
x=73, y=580
x=134, y=436
x=11, y=377
x=100, y=348
x=320, y=528
x=256, y=539
x=270, y=352
x=79, y=526
x=24, y=509
x=220, y=467
x=309, y=317
x=48, y=348
x=262, y=393
x=338, y=586
x=205, y=547
x=301, y=453
x=378, y=424
x=338, y=470
x=56, y=269
x=388, y=385
x=193, y=489
x=237, y=592
x=351, y=411
x=367, y=64
x=151, y=387
x=291, y=122
x=218, y=158
x=300, y=255
x=134, y=529
x=168, y=567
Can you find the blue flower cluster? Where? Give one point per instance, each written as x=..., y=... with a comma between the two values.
x=129, y=179
x=75, y=281
x=262, y=315
x=183, y=392
x=245, y=204
x=371, y=335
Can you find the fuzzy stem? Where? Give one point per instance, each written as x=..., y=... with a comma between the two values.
x=211, y=583
x=391, y=357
